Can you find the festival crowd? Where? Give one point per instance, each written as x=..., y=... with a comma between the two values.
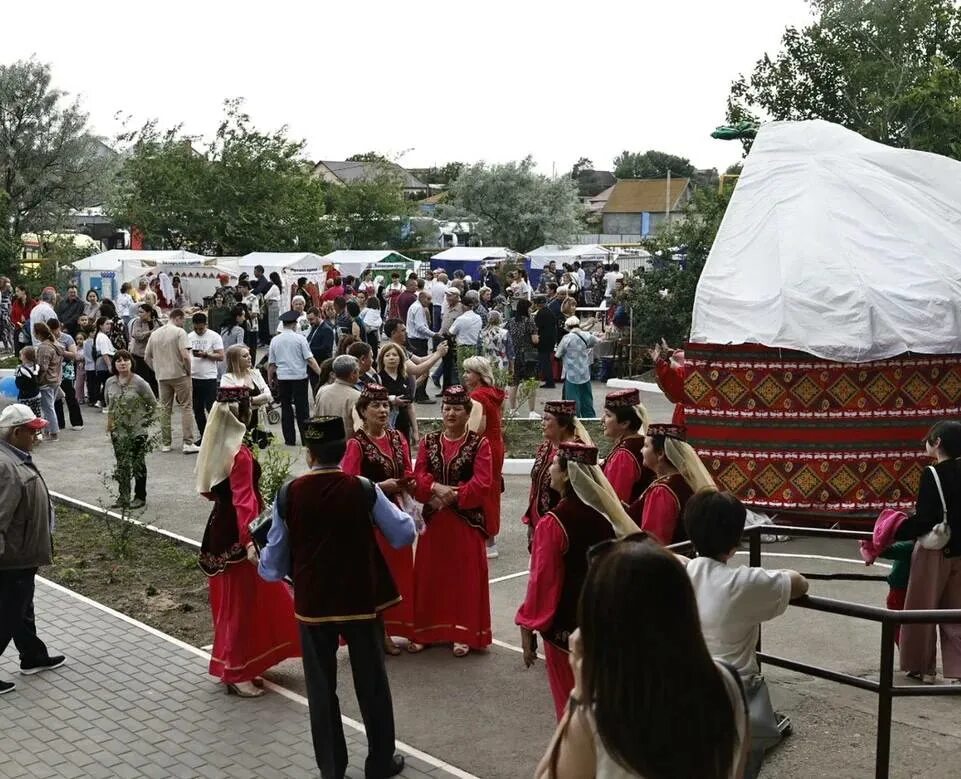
x=408, y=539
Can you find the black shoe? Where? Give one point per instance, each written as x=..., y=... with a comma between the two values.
x=138, y=503
x=47, y=664
x=395, y=767
x=548, y=386
x=7, y=687
x=426, y=400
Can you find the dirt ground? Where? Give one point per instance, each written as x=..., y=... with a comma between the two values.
x=157, y=581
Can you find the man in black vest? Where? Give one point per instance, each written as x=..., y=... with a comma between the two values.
x=322, y=536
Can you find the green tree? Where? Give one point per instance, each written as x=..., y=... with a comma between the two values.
x=246, y=191
x=515, y=206
x=368, y=156
x=888, y=69
x=651, y=164
x=662, y=299
x=368, y=214
x=582, y=164
x=49, y=162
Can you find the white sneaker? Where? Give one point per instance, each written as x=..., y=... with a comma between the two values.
x=76, y=427
x=191, y=449
x=97, y=404
x=103, y=410
x=164, y=448
x=492, y=553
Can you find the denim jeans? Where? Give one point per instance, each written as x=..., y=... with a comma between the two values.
x=48, y=399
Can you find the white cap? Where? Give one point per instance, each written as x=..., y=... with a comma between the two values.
x=572, y=321
x=17, y=414
x=452, y=291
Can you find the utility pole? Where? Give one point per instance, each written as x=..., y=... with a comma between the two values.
x=667, y=198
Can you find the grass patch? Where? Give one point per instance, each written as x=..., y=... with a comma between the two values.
x=9, y=361
x=523, y=436
x=157, y=582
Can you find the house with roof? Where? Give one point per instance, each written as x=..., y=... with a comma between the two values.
x=353, y=171
x=638, y=206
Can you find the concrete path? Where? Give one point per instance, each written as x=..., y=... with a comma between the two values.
x=131, y=702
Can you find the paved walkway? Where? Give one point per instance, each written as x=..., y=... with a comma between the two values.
x=131, y=702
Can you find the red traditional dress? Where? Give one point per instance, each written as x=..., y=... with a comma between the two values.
x=491, y=400
x=625, y=469
x=670, y=378
x=658, y=511
x=558, y=569
x=379, y=459
x=451, y=596
x=542, y=498
x=254, y=624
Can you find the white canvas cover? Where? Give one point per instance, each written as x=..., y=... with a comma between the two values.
x=472, y=254
x=542, y=255
x=837, y=246
x=112, y=259
x=275, y=260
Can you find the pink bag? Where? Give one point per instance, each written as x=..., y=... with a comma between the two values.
x=886, y=525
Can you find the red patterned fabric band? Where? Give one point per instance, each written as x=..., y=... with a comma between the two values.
x=625, y=398
x=560, y=407
x=578, y=453
x=232, y=394
x=456, y=396
x=786, y=431
x=677, y=432
x=374, y=392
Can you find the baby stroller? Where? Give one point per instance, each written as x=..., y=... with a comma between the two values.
x=272, y=409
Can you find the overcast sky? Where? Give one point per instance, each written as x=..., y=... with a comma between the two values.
x=431, y=81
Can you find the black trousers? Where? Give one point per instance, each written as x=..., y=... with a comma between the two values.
x=204, y=395
x=146, y=373
x=73, y=405
x=293, y=395
x=545, y=367
x=131, y=464
x=17, y=621
x=365, y=641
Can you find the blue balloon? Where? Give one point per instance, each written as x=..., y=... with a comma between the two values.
x=8, y=387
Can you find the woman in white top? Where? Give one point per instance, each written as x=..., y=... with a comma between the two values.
x=272, y=300
x=241, y=374
x=648, y=699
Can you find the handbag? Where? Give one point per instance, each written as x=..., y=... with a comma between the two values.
x=939, y=536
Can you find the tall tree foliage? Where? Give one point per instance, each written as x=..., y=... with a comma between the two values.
x=651, y=164
x=888, y=69
x=49, y=163
x=246, y=191
x=368, y=214
x=515, y=206
x=662, y=299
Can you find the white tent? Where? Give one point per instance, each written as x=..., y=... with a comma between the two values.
x=275, y=261
x=471, y=254
x=114, y=259
x=542, y=255
x=837, y=246
x=355, y=262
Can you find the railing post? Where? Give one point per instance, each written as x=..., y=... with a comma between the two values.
x=754, y=559
x=886, y=680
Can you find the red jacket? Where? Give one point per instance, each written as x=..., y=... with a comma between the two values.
x=670, y=378
x=20, y=312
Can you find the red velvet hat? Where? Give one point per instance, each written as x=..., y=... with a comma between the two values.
x=677, y=432
x=232, y=394
x=456, y=396
x=374, y=392
x=624, y=398
x=578, y=453
x=560, y=407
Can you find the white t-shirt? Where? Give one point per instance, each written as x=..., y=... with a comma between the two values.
x=42, y=312
x=609, y=278
x=437, y=292
x=124, y=305
x=466, y=328
x=732, y=603
x=203, y=367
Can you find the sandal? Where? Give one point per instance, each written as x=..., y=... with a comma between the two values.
x=244, y=690
x=461, y=650
x=413, y=647
x=390, y=648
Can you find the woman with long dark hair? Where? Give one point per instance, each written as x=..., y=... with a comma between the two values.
x=648, y=699
x=103, y=354
x=141, y=328
x=523, y=335
x=935, y=581
x=118, y=333
x=272, y=299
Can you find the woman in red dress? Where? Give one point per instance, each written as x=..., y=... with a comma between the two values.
x=380, y=454
x=588, y=513
x=453, y=475
x=558, y=425
x=669, y=373
x=679, y=474
x=485, y=420
x=625, y=422
x=254, y=624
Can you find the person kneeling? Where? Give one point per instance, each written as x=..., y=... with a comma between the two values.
x=733, y=602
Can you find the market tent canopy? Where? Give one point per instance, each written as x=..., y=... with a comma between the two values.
x=356, y=261
x=112, y=259
x=276, y=260
x=542, y=255
x=836, y=246
x=471, y=254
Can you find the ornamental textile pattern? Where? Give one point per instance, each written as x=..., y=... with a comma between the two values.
x=789, y=432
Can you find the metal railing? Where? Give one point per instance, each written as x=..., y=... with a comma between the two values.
x=884, y=688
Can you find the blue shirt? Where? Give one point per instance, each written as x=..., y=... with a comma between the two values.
x=397, y=527
x=575, y=350
x=289, y=351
